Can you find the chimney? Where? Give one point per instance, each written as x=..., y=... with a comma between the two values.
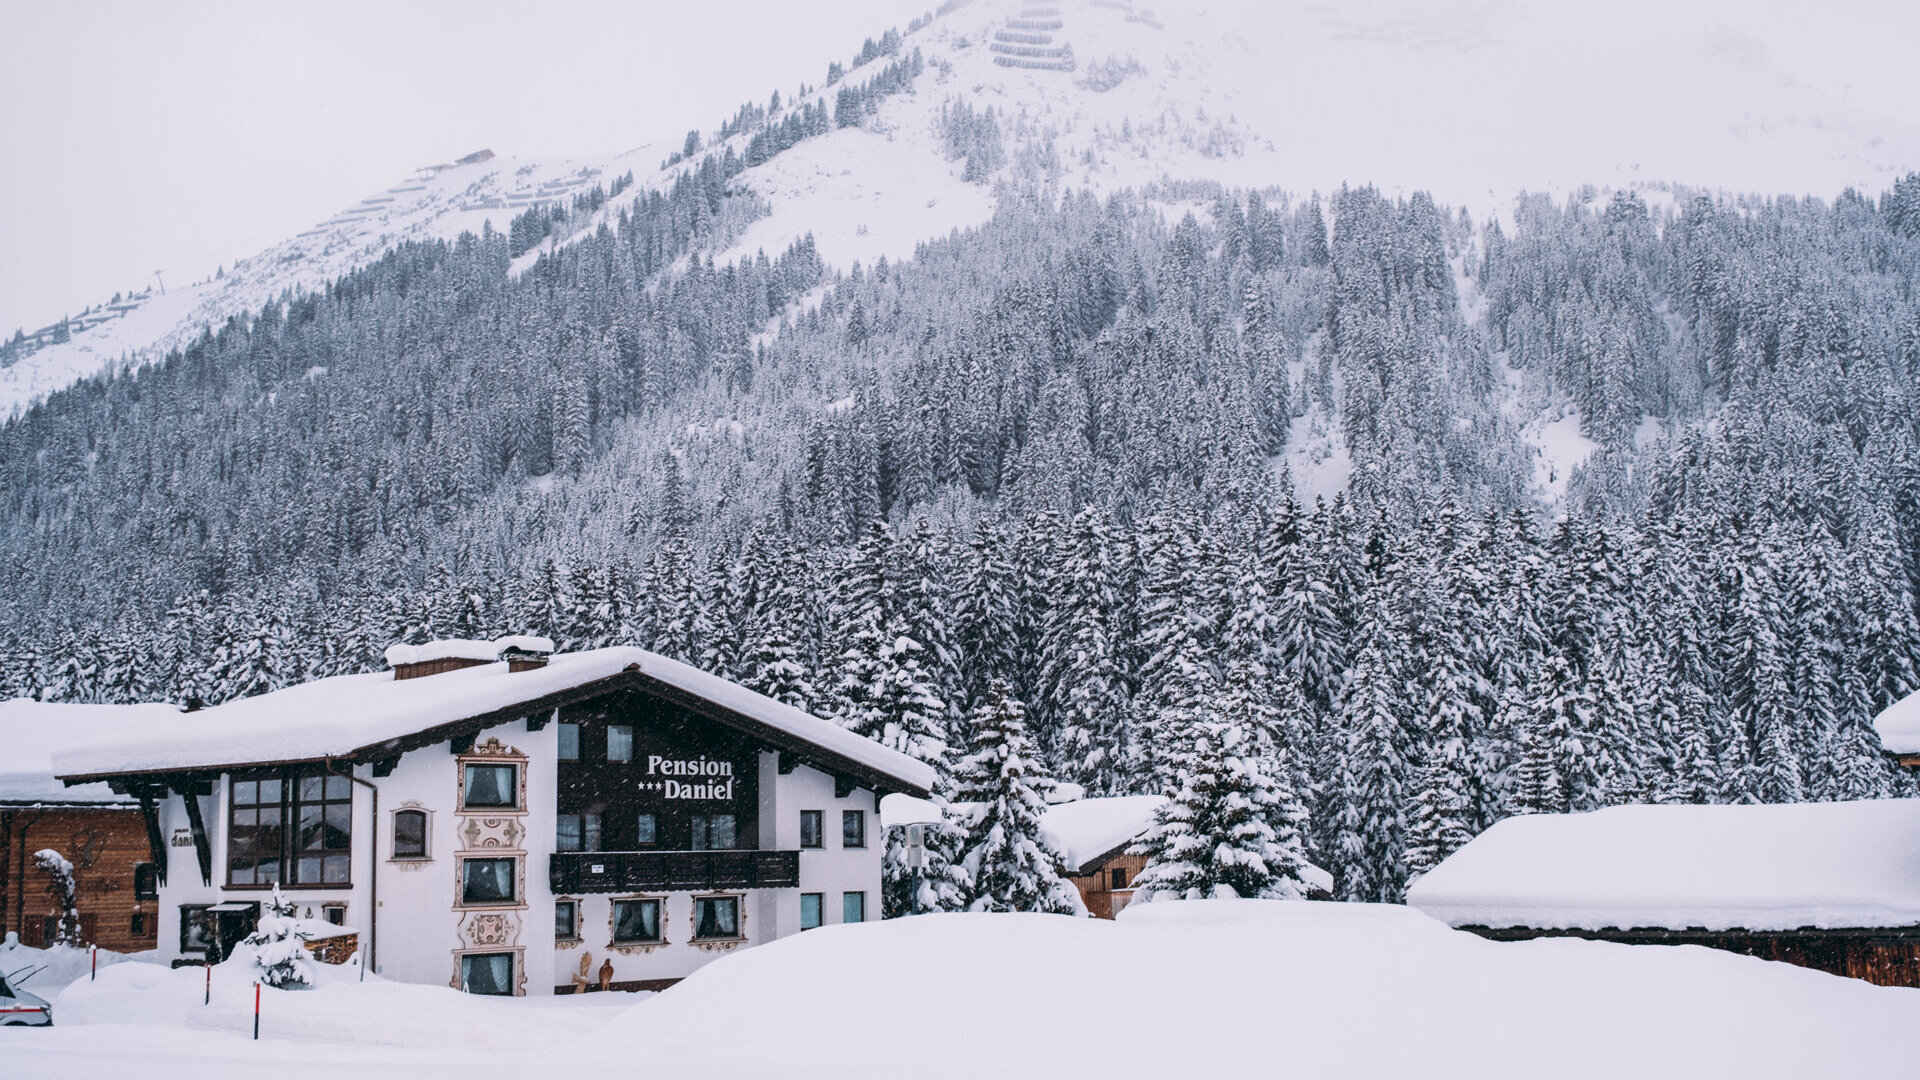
x=525, y=652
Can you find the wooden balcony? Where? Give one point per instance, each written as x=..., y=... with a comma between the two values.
x=671, y=871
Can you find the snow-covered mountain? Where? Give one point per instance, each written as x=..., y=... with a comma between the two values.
x=1471, y=101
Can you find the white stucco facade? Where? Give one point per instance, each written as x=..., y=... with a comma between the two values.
x=418, y=926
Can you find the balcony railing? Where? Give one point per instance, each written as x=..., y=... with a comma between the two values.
x=630, y=871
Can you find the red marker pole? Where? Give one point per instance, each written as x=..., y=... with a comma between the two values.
x=93, y=956
x=209, y=999
x=256, y=1012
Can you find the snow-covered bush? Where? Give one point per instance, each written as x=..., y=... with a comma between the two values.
x=277, y=946
x=61, y=887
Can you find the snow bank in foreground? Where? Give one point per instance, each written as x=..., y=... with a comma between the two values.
x=1227, y=988
x=1780, y=867
x=338, y=1009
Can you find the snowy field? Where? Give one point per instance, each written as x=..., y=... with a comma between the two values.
x=1211, y=988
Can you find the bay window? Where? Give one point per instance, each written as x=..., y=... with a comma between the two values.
x=487, y=786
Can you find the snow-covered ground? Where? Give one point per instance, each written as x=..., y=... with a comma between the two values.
x=1194, y=988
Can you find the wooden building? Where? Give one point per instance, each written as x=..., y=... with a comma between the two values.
x=97, y=830
x=1832, y=886
x=502, y=821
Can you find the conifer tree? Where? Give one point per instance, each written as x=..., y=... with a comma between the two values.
x=1002, y=793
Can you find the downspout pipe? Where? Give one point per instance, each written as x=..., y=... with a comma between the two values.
x=373, y=868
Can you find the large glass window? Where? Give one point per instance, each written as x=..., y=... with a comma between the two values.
x=853, y=907
x=569, y=742
x=716, y=917
x=577, y=832
x=620, y=742
x=487, y=881
x=647, y=829
x=810, y=829
x=853, y=828
x=566, y=920
x=809, y=910
x=492, y=787
x=410, y=834
x=292, y=827
x=636, y=920
x=487, y=973
x=712, y=832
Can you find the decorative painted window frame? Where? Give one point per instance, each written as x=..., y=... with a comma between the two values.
x=519, y=965
x=693, y=922
x=393, y=818
x=519, y=875
x=492, y=752
x=636, y=947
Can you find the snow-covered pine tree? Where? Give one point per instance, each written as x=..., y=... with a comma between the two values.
x=1002, y=795
x=1438, y=825
x=1374, y=771
x=1228, y=830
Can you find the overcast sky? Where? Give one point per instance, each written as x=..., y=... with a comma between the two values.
x=156, y=134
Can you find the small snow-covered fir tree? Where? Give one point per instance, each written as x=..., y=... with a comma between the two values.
x=1217, y=835
x=65, y=893
x=941, y=883
x=1003, y=792
x=279, y=946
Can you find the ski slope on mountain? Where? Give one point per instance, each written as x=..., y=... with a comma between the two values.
x=1471, y=101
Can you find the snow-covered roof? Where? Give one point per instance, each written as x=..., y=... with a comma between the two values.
x=32, y=732
x=1775, y=867
x=1085, y=830
x=338, y=716
x=1899, y=726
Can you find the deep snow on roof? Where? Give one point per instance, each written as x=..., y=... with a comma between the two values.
x=1899, y=726
x=32, y=732
x=1084, y=830
x=336, y=716
x=1775, y=867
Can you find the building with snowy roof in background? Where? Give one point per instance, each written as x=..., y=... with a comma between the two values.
x=1092, y=837
x=1833, y=886
x=506, y=820
x=97, y=830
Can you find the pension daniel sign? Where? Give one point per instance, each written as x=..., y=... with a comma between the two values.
x=707, y=778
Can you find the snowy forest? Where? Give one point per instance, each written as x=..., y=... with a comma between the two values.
x=1040, y=471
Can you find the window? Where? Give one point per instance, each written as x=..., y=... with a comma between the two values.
x=811, y=828
x=569, y=741
x=1119, y=877
x=293, y=827
x=619, y=742
x=492, y=787
x=487, y=973
x=853, y=907
x=256, y=837
x=716, y=917
x=647, y=829
x=196, y=928
x=487, y=881
x=853, y=828
x=409, y=834
x=334, y=913
x=809, y=910
x=146, y=881
x=577, y=832
x=712, y=832
x=139, y=927
x=566, y=920
x=636, y=921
